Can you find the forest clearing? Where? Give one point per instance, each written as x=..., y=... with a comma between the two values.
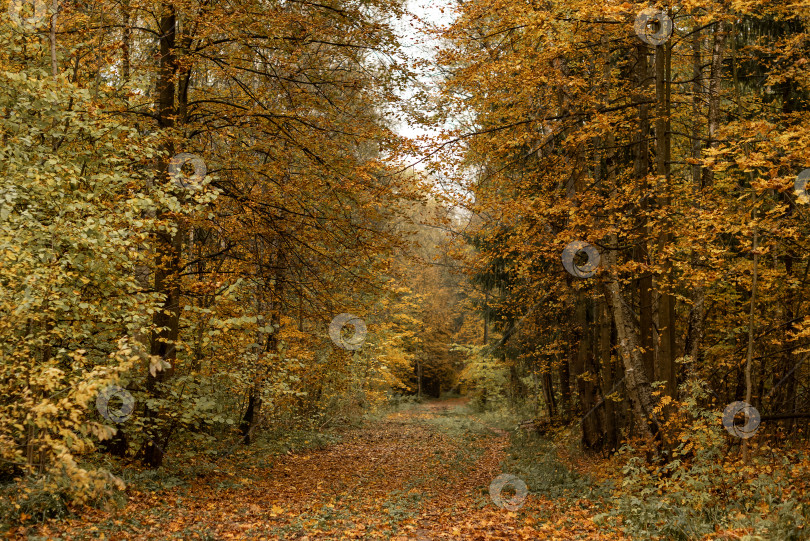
x=405, y=269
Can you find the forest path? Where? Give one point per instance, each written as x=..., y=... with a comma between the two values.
x=420, y=474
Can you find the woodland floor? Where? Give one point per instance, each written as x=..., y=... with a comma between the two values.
x=405, y=476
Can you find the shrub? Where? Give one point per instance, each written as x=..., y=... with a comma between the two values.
x=702, y=489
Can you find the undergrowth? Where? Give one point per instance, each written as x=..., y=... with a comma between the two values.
x=707, y=488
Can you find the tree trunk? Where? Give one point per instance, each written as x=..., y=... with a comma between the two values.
x=486, y=318
x=54, y=15
x=126, y=41
x=751, y=327
x=638, y=385
x=548, y=395
x=697, y=314
x=714, y=93
x=166, y=322
x=666, y=367
x=641, y=168
x=607, y=372
x=591, y=436
x=627, y=334
x=418, y=379
x=253, y=414
x=565, y=386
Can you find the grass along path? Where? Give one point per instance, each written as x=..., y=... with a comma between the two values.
x=420, y=474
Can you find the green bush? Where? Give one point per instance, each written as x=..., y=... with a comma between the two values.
x=37, y=498
x=399, y=402
x=702, y=490
x=535, y=460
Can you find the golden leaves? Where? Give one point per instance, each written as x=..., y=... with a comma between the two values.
x=158, y=364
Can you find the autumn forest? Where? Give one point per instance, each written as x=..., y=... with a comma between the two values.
x=402, y=270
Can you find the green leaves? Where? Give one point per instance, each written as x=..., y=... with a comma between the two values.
x=67, y=286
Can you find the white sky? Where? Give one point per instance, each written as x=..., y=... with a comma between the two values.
x=416, y=45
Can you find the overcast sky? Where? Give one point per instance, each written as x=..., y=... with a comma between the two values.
x=416, y=45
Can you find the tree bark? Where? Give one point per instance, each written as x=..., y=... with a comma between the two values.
x=126, y=42
x=715, y=75
x=591, y=435
x=253, y=414
x=697, y=314
x=638, y=386
x=486, y=318
x=627, y=333
x=666, y=367
x=565, y=386
x=606, y=370
x=751, y=327
x=168, y=247
x=548, y=394
x=54, y=15
x=641, y=168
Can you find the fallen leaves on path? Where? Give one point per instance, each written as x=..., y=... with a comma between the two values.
x=401, y=478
